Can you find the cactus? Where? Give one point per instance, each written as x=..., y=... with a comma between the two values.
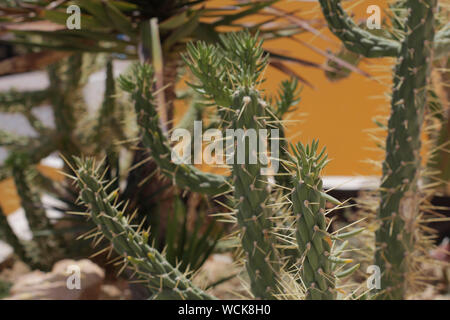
x=252, y=213
x=399, y=207
x=228, y=76
x=163, y=280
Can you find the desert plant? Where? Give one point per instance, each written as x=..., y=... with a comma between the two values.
x=123, y=29
x=72, y=134
x=75, y=132
x=228, y=77
x=400, y=194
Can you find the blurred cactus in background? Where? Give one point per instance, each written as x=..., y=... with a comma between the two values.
x=64, y=95
x=399, y=239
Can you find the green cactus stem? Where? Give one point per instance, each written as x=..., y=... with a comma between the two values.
x=163, y=280
x=186, y=176
x=309, y=208
x=17, y=101
x=252, y=198
x=400, y=196
x=367, y=44
x=354, y=38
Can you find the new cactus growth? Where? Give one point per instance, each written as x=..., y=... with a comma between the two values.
x=399, y=208
x=313, y=240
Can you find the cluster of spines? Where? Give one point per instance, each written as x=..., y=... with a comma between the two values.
x=186, y=176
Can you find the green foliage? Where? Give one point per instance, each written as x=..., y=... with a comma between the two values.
x=320, y=267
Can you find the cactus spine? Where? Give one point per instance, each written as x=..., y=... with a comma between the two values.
x=401, y=169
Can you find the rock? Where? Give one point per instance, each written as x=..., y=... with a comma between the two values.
x=68, y=280
x=117, y=290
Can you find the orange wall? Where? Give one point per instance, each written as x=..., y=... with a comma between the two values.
x=337, y=113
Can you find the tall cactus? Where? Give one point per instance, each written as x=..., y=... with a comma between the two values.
x=401, y=169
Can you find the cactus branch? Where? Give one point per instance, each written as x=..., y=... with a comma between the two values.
x=251, y=196
x=163, y=280
x=184, y=175
x=309, y=209
x=354, y=38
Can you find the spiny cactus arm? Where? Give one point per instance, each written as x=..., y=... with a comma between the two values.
x=163, y=280
x=17, y=101
x=251, y=196
x=34, y=149
x=309, y=210
x=401, y=169
x=11, y=238
x=184, y=175
x=237, y=61
x=353, y=37
x=206, y=62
